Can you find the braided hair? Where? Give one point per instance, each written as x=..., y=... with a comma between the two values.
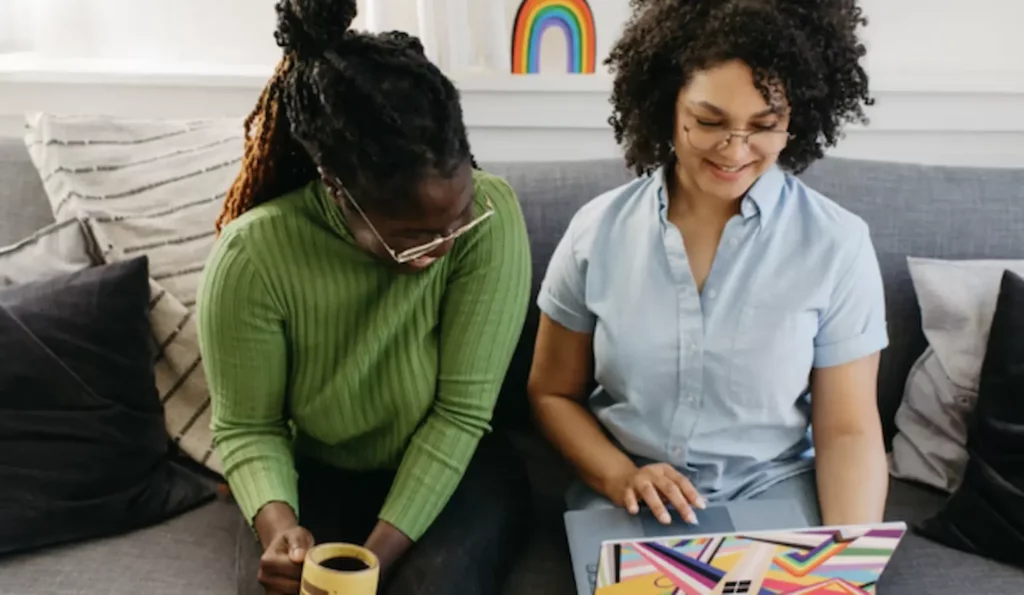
x=370, y=109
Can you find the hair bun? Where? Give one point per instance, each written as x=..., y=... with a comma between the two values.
x=310, y=27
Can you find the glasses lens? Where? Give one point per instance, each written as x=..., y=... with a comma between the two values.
x=764, y=142
x=703, y=139
x=768, y=142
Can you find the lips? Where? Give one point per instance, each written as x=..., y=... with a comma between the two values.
x=727, y=173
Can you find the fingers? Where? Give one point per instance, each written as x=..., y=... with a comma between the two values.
x=675, y=496
x=686, y=487
x=650, y=495
x=298, y=542
x=630, y=500
x=278, y=566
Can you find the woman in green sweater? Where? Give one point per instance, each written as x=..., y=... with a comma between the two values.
x=359, y=312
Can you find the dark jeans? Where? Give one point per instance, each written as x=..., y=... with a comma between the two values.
x=468, y=550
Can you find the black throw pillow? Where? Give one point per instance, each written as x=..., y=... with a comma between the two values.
x=985, y=515
x=83, y=447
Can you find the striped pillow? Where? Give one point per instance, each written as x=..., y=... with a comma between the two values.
x=150, y=187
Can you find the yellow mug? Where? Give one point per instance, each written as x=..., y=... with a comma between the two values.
x=340, y=569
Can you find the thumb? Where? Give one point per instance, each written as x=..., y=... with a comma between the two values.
x=298, y=544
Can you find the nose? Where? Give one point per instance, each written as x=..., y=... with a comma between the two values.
x=735, y=148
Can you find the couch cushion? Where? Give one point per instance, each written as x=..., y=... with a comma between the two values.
x=76, y=395
x=151, y=187
x=58, y=248
x=23, y=205
x=957, y=300
x=193, y=553
x=985, y=515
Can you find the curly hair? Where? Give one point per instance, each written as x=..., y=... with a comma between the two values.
x=370, y=109
x=807, y=49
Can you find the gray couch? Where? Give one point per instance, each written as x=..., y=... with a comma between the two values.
x=923, y=211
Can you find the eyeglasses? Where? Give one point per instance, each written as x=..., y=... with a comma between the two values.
x=763, y=142
x=423, y=249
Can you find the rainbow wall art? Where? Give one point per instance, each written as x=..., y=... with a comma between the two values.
x=573, y=17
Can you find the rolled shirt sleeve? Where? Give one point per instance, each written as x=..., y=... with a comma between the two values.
x=563, y=290
x=854, y=323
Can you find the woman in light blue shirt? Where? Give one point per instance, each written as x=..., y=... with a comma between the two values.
x=723, y=307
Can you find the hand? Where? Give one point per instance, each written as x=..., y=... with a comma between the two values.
x=281, y=564
x=655, y=483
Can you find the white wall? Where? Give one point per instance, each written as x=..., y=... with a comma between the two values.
x=948, y=77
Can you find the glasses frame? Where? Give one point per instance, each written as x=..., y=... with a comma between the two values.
x=420, y=250
x=742, y=134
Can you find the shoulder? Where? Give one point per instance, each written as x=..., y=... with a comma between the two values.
x=826, y=222
x=268, y=219
x=507, y=225
x=265, y=226
x=245, y=247
x=624, y=209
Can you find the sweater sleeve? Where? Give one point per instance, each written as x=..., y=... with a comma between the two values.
x=242, y=339
x=481, y=320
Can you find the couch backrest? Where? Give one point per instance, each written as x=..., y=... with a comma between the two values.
x=939, y=212
x=23, y=204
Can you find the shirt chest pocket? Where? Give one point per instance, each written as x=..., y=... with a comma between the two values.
x=771, y=356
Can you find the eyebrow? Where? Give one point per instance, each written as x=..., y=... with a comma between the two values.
x=720, y=112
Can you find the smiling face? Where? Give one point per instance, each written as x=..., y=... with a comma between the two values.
x=437, y=207
x=717, y=101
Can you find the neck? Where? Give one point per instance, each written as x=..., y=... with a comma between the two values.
x=687, y=200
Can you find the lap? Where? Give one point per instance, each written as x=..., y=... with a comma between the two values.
x=800, y=489
x=467, y=550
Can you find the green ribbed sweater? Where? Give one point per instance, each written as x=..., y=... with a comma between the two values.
x=312, y=346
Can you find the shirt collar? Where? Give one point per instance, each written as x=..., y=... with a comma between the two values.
x=759, y=200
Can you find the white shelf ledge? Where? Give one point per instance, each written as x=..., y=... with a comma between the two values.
x=28, y=68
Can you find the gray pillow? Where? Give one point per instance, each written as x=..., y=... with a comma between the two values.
x=958, y=300
x=58, y=249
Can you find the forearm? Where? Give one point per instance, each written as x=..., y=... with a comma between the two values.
x=576, y=433
x=852, y=477
x=258, y=466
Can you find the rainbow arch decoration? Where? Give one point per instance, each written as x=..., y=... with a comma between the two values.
x=573, y=17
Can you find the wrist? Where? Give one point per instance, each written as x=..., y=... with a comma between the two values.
x=388, y=544
x=612, y=482
x=273, y=519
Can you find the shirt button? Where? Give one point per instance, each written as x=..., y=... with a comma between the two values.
x=733, y=242
x=676, y=451
x=712, y=294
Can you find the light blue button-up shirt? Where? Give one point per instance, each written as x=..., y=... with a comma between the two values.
x=717, y=382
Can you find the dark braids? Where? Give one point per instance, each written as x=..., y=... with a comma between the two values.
x=371, y=109
x=808, y=48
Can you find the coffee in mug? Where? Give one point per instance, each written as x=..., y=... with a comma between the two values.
x=340, y=569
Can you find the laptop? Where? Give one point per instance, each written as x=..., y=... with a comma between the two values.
x=587, y=530
x=806, y=561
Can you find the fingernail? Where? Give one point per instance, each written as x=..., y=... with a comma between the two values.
x=701, y=503
x=665, y=518
x=692, y=519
